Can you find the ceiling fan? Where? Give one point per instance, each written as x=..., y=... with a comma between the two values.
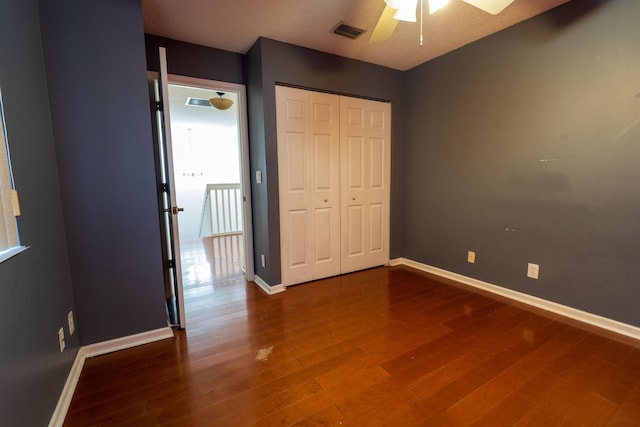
x=405, y=10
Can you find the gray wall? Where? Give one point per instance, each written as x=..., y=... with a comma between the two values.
x=36, y=284
x=96, y=73
x=187, y=59
x=270, y=62
x=470, y=130
x=525, y=147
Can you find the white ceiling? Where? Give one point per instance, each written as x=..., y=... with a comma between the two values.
x=187, y=114
x=235, y=25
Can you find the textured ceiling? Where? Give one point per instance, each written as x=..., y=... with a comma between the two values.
x=186, y=114
x=235, y=25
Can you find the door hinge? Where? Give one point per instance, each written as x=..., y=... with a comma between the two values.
x=158, y=106
x=171, y=263
x=164, y=187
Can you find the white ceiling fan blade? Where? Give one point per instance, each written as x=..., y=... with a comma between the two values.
x=385, y=26
x=493, y=7
x=436, y=5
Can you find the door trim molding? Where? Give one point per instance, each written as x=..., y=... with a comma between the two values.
x=244, y=153
x=245, y=167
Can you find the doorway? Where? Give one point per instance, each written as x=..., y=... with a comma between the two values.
x=209, y=170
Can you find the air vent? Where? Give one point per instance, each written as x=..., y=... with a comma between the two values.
x=348, y=31
x=198, y=102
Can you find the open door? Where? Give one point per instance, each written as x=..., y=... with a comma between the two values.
x=167, y=199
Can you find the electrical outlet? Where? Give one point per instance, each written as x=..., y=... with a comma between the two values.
x=532, y=270
x=61, y=338
x=72, y=325
x=471, y=257
x=262, y=261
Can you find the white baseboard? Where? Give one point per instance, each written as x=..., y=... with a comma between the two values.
x=397, y=261
x=59, y=414
x=563, y=310
x=105, y=347
x=270, y=290
x=97, y=349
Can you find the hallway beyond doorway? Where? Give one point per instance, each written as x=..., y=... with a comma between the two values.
x=211, y=267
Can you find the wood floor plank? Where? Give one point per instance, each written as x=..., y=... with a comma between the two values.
x=627, y=414
x=386, y=346
x=332, y=393
x=331, y=416
x=377, y=405
x=519, y=402
x=592, y=410
x=472, y=407
x=567, y=394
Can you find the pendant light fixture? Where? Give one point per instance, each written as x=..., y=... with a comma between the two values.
x=221, y=103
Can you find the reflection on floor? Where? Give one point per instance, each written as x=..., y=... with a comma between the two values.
x=387, y=346
x=211, y=267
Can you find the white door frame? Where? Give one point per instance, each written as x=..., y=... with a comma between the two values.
x=173, y=209
x=243, y=136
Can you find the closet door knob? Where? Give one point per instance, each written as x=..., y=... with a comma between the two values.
x=353, y=197
x=326, y=199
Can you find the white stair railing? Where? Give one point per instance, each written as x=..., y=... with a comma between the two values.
x=221, y=210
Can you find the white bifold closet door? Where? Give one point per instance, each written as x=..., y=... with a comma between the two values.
x=365, y=167
x=309, y=173
x=334, y=176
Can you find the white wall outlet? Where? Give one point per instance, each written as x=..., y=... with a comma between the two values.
x=61, y=338
x=532, y=270
x=72, y=324
x=262, y=261
x=471, y=257
x=258, y=177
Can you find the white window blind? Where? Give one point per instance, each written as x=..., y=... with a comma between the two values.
x=8, y=197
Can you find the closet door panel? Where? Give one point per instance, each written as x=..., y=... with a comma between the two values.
x=355, y=238
x=325, y=200
x=375, y=201
x=355, y=164
x=322, y=163
x=378, y=181
x=308, y=173
x=334, y=177
x=294, y=210
x=297, y=245
x=295, y=153
x=353, y=184
x=322, y=248
x=365, y=139
x=376, y=164
x=293, y=184
x=294, y=205
x=376, y=228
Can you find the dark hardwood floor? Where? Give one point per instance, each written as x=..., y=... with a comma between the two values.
x=386, y=346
